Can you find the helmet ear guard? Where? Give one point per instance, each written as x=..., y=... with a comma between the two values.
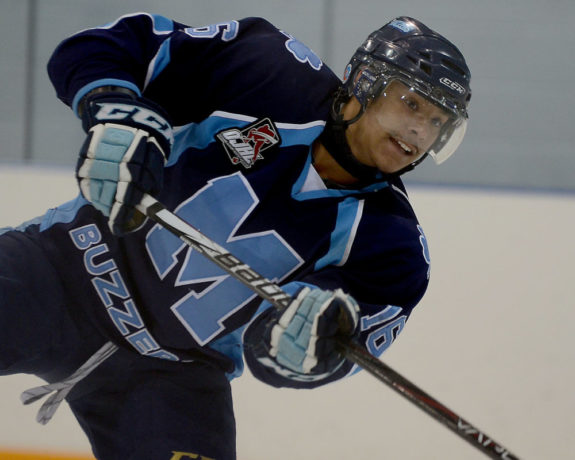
x=365, y=86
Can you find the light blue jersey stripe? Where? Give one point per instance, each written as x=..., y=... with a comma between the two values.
x=23, y=226
x=159, y=63
x=198, y=135
x=299, y=134
x=348, y=215
x=62, y=214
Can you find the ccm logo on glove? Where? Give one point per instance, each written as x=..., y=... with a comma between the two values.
x=138, y=115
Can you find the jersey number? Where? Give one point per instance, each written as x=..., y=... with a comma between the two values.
x=218, y=210
x=229, y=31
x=390, y=324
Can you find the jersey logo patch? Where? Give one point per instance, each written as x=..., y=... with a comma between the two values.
x=246, y=146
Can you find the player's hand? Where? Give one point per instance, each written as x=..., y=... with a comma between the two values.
x=302, y=338
x=123, y=156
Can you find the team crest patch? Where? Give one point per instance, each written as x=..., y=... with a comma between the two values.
x=246, y=146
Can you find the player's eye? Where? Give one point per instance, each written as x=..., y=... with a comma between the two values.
x=410, y=102
x=436, y=122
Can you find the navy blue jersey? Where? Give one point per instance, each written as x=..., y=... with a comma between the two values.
x=247, y=101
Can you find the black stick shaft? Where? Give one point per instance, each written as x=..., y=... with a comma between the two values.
x=352, y=351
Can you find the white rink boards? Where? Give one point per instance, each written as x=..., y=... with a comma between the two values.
x=493, y=340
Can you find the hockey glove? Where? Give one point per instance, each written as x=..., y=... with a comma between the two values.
x=302, y=338
x=123, y=156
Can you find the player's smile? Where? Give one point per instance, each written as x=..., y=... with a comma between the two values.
x=398, y=147
x=406, y=149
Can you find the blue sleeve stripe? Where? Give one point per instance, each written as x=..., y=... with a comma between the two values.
x=103, y=82
x=159, y=63
x=349, y=214
x=23, y=226
x=199, y=135
x=63, y=214
x=304, y=134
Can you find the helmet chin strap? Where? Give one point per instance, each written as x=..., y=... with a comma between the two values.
x=334, y=140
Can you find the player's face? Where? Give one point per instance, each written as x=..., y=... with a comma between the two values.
x=396, y=129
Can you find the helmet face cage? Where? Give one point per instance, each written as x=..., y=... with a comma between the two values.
x=371, y=70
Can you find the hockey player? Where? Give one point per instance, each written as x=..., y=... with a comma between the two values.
x=242, y=131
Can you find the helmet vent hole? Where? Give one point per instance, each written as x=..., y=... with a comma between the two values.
x=452, y=66
x=425, y=67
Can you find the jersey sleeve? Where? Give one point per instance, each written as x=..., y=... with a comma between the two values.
x=189, y=71
x=118, y=54
x=387, y=272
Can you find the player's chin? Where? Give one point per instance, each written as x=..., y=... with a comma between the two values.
x=389, y=170
x=390, y=158
x=391, y=163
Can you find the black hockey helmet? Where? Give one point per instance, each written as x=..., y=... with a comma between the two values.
x=426, y=62
x=407, y=50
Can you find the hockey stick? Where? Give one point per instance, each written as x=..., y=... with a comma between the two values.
x=354, y=352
